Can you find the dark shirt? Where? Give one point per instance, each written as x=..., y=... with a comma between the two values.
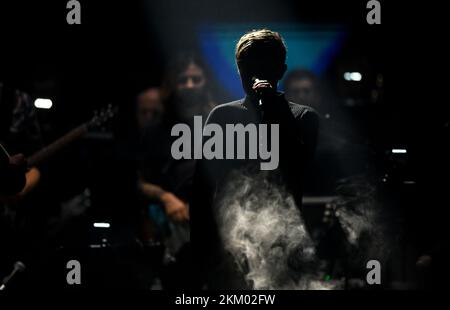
x=156, y=164
x=298, y=126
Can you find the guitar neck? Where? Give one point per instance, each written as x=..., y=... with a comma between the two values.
x=54, y=147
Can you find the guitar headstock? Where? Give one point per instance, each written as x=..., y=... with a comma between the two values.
x=103, y=116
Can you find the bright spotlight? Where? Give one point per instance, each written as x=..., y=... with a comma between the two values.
x=353, y=76
x=356, y=76
x=102, y=225
x=42, y=103
x=398, y=151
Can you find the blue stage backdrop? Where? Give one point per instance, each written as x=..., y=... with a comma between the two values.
x=310, y=47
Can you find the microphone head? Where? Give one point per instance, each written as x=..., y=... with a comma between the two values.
x=19, y=266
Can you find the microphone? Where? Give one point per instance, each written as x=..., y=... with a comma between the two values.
x=262, y=91
x=18, y=267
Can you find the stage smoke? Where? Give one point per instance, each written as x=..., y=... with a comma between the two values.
x=264, y=232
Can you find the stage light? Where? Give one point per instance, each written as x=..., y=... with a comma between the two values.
x=353, y=76
x=102, y=225
x=42, y=103
x=399, y=151
x=356, y=76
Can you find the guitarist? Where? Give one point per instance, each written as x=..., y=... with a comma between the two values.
x=19, y=133
x=163, y=194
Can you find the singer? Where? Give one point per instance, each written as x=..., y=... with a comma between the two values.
x=260, y=58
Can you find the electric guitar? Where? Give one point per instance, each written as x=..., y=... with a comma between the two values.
x=99, y=119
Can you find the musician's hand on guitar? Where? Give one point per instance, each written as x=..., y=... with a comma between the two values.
x=175, y=208
x=18, y=159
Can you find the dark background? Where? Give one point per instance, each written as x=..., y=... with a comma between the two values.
x=121, y=47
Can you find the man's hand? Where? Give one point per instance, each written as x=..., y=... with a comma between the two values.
x=262, y=87
x=267, y=95
x=176, y=209
x=18, y=159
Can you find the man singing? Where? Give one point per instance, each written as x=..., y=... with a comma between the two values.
x=221, y=184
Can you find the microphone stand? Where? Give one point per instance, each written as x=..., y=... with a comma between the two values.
x=18, y=267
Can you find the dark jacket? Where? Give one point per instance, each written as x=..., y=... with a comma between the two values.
x=298, y=126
